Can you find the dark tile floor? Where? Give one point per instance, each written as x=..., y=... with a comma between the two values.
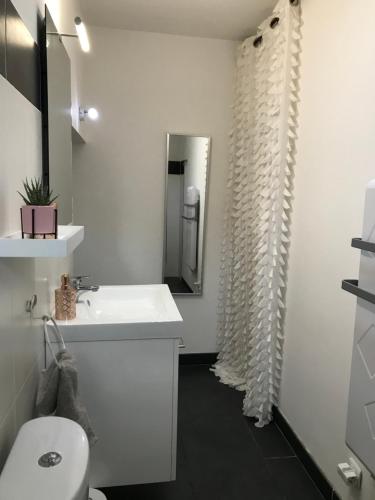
x=177, y=285
x=221, y=454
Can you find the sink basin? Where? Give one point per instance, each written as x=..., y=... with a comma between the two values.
x=131, y=311
x=128, y=304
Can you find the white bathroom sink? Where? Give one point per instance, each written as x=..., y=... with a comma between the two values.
x=128, y=304
x=127, y=310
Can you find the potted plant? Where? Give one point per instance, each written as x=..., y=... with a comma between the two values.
x=39, y=215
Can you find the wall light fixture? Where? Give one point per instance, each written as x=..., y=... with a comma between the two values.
x=82, y=34
x=91, y=113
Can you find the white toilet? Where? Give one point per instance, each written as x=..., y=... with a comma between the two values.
x=49, y=461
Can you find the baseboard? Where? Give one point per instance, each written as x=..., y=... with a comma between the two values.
x=304, y=456
x=208, y=358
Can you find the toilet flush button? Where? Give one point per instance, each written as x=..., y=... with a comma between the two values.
x=50, y=459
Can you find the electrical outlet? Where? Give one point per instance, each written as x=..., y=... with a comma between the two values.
x=355, y=466
x=350, y=472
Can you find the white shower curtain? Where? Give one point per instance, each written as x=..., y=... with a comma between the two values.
x=255, y=246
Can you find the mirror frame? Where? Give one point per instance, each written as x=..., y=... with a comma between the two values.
x=47, y=28
x=208, y=171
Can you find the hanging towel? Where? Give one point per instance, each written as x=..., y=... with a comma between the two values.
x=58, y=394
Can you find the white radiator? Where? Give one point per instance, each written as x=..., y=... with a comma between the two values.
x=360, y=435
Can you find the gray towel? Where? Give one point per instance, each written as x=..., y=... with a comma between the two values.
x=58, y=394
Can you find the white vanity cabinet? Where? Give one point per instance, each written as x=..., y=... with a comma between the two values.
x=130, y=389
x=128, y=381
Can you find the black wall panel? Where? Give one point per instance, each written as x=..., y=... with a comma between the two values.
x=22, y=57
x=2, y=37
x=176, y=167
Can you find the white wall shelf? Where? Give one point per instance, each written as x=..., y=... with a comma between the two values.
x=78, y=136
x=69, y=237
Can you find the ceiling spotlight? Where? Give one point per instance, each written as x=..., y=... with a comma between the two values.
x=82, y=34
x=91, y=113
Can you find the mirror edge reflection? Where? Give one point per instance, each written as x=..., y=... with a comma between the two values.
x=57, y=163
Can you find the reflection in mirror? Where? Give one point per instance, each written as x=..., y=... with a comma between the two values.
x=57, y=121
x=187, y=172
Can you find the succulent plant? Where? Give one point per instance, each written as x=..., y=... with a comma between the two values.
x=36, y=193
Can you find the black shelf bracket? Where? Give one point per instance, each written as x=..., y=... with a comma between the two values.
x=363, y=245
x=352, y=287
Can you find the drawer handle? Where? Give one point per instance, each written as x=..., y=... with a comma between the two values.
x=181, y=345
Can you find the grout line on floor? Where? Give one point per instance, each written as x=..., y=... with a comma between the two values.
x=260, y=448
x=257, y=445
x=303, y=465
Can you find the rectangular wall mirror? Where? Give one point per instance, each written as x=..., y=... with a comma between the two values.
x=57, y=120
x=188, y=159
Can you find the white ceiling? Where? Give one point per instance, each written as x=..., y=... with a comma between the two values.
x=227, y=19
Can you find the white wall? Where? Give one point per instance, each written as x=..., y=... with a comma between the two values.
x=196, y=170
x=20, y=339
x=175, y=191
x=145, y=85
x=173, y=215
x=336, y=159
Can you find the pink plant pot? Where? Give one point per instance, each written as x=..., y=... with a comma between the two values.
x=39, y=220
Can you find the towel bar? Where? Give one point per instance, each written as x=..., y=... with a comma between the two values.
x=181, y=345
x=363, y=245
x=57, y=333
x=351, y=286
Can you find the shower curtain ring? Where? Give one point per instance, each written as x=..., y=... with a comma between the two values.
x=258, y=41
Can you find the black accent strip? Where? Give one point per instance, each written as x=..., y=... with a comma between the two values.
x=44, y=98
x=2, y=37
x=208, y=358
x=304, y=456
x=23, y=234
x=22, y=57
x=351, y=286
x=363, y=245
x=176, y=167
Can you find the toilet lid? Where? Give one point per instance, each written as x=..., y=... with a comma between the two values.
x=50, y=454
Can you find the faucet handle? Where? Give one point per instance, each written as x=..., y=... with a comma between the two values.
x=76, y=280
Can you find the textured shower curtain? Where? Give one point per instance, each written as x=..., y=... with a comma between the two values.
x=256, y=234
